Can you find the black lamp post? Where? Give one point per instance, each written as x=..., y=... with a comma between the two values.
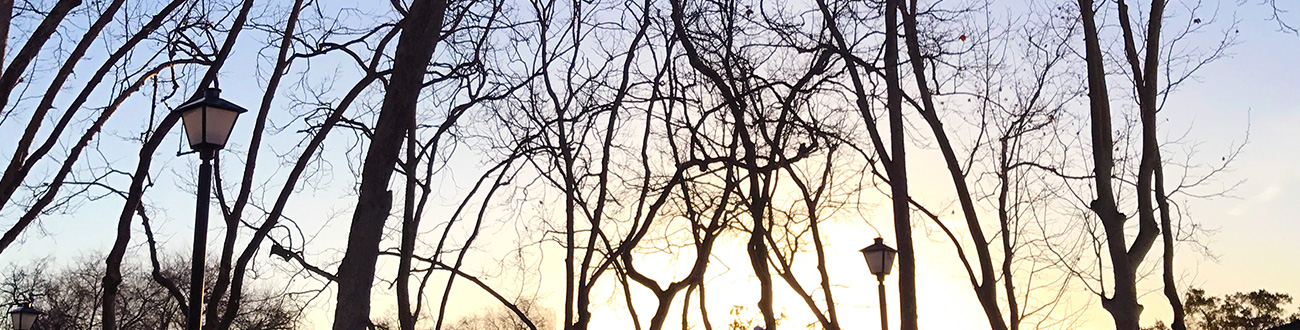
x=208, y=120
x=880, y=258
x=24, y=316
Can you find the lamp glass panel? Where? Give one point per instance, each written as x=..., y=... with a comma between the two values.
x=220, y=122
x=886, y=261
x=873, y=260
x=193, y=121
x=24, y=321
x=29, y=320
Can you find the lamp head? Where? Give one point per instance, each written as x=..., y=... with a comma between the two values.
x=208, y=120
x=880, y=257
x=24, y=316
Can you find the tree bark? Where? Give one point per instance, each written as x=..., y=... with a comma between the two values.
x=1150, y=171
x=1122, y=304
x=6, y=17
x=42, y=34
x=897, y=168
x=1166, y=231
x=421, y=30
x=985, y=286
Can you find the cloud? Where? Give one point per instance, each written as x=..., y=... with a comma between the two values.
x=1270, y=193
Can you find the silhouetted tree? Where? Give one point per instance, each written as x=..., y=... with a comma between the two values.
x=1256, y=310
x=69, y=296
x=503, y=319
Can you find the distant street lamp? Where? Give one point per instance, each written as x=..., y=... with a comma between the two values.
x=24, y=316
x=880, y=258
x=208, y=120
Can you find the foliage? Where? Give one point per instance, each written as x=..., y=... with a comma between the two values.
x=742, y=318
x=1257, y=310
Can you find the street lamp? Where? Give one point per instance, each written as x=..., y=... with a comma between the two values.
x=880, y=258
x=208, y=120
x=24, y=316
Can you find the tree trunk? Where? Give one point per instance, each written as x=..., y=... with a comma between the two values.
x=985, y=285
x=1166, y=231
x=897, y=168
x=421, y=30
x=1122, y=304
x=6, y=16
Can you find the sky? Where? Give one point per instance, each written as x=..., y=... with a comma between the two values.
x=1252, y=97
x=1254, y=92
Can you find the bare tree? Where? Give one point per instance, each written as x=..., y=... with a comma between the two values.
x=500, y=319
x=69, y=297
x=1143, y=47
x=605, y=131
x=422, y=28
